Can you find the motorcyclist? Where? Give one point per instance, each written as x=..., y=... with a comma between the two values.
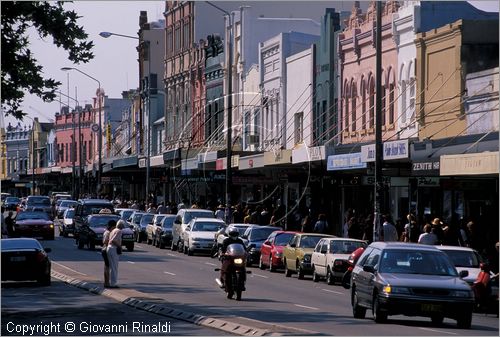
x=233, y=237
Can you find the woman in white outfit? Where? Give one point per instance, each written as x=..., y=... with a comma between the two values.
x=115, y=241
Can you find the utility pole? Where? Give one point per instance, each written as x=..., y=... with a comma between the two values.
x=378, y=127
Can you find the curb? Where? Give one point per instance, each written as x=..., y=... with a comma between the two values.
x=163, y=309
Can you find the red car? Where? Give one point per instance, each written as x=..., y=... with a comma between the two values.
x=271, y=252
x=34, y=224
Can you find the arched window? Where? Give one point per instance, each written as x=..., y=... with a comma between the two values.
x=383, y=105
x=403, y=101
x=411, y=104
x=363, y=104
x=346, y=107
x=353, y=109
x=391, y=103
x=372, y=102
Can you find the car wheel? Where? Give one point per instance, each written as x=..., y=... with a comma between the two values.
x=300, y=271
x=379, y=316
x=329, y=276
x=130, y=248
x=464, y=320
x=437, y=319
x=315, y=275
x=45, y=280
x=271, y=267
x=261, y=265
x=288, y=273
x=180, y=249
x=357, y=310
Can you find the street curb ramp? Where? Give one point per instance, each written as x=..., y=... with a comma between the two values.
x=163, y=309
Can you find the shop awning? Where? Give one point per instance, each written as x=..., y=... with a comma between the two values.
x=469, y=164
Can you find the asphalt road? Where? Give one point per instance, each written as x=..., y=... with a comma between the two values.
x=59, y=308
x=270, y=297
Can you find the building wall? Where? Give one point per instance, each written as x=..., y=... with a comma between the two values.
x=198, y=89
x=17, y=148
x=214, y=98
x=299, y=90
x=358, y=57
x=252, y=109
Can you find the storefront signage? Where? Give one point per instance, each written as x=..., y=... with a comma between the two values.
x=425, y=168
x=397, y=149
x=277, y=157
x=345, y=162
x=206, y=157
x=428, y=181
x=220, y=164
x=142, y=163
x=111, y=180
x=189, y=164
x=251, y=162
x=469, y=164
x=156, y=161
x=308, y=154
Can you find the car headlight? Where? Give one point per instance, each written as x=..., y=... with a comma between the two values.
x=461, y=293
x=238, y=261
x=388, y=289
x=307, y=258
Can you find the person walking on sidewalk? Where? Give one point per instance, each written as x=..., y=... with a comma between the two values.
x=113, y=250
x=105, y=241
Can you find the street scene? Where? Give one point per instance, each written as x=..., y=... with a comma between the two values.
x=250, y=168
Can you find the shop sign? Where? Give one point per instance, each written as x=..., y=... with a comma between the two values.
x=397, y=149
x=111, y=180
x=142, y=163
x=308, y=154
x=277, y=157
x=428, y=181
x=345, y=162
x=189, y=164
x=206, y=157
x=250, y=162
x=469, y=164
x=425, y=168
x=156, y=161
x=252, y=180
x=220, y=164
x=370, y=180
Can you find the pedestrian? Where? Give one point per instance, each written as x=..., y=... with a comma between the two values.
x=113, y=250
x=219, y=213
x=321, y=226
x=354, y=228
x=105, y=241
x=428, y=237
x=135, y=205
x=305, y=226
x=345, y=228
x=437, y=228
x=9, y=223
x=151, y=209
x=248, y=217
x=265, y=217
x=411, y=231
x=389, y=230
x=161, y=208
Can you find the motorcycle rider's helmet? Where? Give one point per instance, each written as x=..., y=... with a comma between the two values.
x=233, y=232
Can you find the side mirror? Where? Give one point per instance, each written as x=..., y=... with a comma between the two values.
x=243, y=236
x=188, y=228
x=293, y=245
x=463, y=273
x=369, y=269
x=47, y=250
x=323, y=251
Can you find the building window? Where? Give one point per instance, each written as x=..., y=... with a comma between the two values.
x=403, y=101
x=383, y=105
x=170, y=43
x=391, y=103
x=186, y=35
x=346, y=115
x=372, y=104
x=323, y=120
x=412, y=99
x=353, y=112
x=299, y=126
x=177, y=39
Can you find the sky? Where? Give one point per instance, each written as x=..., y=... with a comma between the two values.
x=115, y=62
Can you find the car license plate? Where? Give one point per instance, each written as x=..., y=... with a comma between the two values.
x=431, y=307
x=18, y=258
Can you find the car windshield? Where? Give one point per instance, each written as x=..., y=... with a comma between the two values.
x=32, y=216
x=205, y=227
x=95, y=209
x=345, y=246
x=102, y=221
x=463, y=258
x=126, y=214
x=309, y=241
x=188, y=216
x=282, y=239
x=416, y=262
x=168, y=222
x=159, y=218
x=11, y=199
x=70, y=214
x=65, y=203
x=14, y=244
x=137, y=218
x=260, y=234
x=39, y=201
x=146, y=219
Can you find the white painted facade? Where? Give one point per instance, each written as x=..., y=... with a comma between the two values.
x=251, y=109
x=299, y=93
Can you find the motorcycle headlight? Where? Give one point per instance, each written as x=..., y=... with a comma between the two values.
x=307, y=258
x=238, y=261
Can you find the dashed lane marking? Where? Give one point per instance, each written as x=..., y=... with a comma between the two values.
x=170, y=254
x=74, y=271
x=260, y=275
x=211, y=264
x=333, y=291
x=306, y=307
x=132, y=262
x=440, y=331
x=166, y=272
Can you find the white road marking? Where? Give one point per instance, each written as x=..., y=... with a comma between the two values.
x=261, y=276
x=450, y=333
x=68, y=268
x=138, y=246
x=306, y=307
x=333, y=291
x=170, y=254
x=211, y=264
x=132, y=262
x=166, y=272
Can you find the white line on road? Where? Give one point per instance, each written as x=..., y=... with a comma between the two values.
x=450, y=333
x=306, y=307
x=333, y=291
x=166, y=272
x=68, y=268
x=138, y=246
x=211, y=264
x=132, y=262
x=170, y=254
x=261, y=276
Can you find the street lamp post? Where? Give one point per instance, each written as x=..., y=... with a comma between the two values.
x=229, y=68
x=99, y=145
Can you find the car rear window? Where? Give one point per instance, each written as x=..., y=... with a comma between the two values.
x=39, y=201
x=13, y=244
x=309, y=241
x=12, y=199
x=32, y=216
x=95, y=209
x=146, y=218
x=70, y=214
x=101, y=221
x=283, y=239
x=206, y=226
x=345, y=246
x=188, y=216
x=168, y=222
x=259, y=234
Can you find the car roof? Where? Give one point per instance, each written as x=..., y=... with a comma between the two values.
x=195, y=210
x=316, y=234
x=344, y=239
x=457, y=248
x=287, y=232
x=402, y=245
x=104, y=215
x=208, y=220
x=263, y=227
x=95, y=201
x=240, y=224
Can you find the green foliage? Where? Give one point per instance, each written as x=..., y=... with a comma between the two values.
x=21, y=72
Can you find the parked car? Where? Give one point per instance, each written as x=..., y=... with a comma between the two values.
x=151, y=228
x=25, y=259
x=124, y=213
x=39, y=203
x=271, y=251
x=135, y=219
x=67, y=226
x=183, y=217
x=140, y=228
x=329, y=259
x=223, y=232
x=297, y=253
x=464, y=258
x=164, y=232
x=91, y=232
x=394, y=278
x=34, y=224
x=253, y=238
x=199, y=234
x=11, y=203
x=64, y=205
x=86, y=207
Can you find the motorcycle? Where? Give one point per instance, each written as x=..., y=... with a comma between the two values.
x=351, y=262
x=235, y=276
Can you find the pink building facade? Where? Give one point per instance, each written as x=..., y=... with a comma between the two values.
x=197, y=74
x=357, y=56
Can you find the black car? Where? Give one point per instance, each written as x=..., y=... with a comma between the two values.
x=86, y=207
x=11, y=203
x=140, y=228
x=254, y=237
x=39, y=203
x=393, y=278
x=25, y=259
x=164, y=232
x=92, y=230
